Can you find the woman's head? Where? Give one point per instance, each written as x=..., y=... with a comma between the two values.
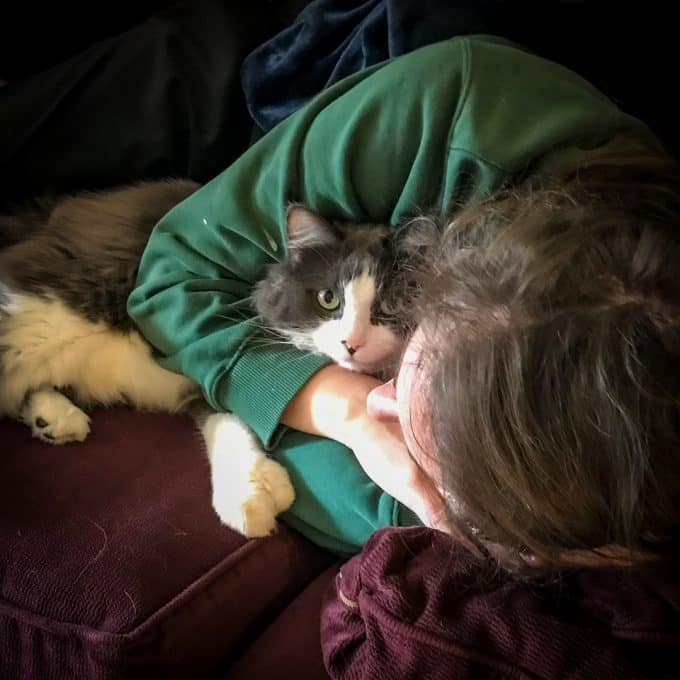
x=544, y=380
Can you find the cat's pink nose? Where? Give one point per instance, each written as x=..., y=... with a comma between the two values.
x=350, y=346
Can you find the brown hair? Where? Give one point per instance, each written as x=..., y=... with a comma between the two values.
x=552, y=368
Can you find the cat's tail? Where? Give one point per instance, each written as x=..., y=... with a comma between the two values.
x=18, y=225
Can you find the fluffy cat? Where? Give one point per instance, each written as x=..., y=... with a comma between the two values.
x=66, y=343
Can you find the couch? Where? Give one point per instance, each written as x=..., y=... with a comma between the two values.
x=113, y=564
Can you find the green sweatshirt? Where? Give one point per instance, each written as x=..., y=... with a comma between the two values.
x=446, y=123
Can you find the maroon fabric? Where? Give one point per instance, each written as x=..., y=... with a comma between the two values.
x=413, y=605
x=291, y=646
x=113, y=563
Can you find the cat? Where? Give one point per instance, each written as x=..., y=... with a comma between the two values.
x=67, y=344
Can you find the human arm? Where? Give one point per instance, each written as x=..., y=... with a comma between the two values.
x=333, y=404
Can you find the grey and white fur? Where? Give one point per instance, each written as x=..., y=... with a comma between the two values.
x=334, y=294
x=67, y=267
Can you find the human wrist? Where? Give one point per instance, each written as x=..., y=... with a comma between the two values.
x=331, y=404
x=352, y=425
x=363, y=431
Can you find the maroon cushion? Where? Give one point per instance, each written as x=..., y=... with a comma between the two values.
x=113, y=563
x=291, y=645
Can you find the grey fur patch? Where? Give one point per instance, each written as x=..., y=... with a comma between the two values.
x=85, y=249
x=286, y=296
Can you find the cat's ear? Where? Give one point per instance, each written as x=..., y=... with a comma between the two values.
x=307, y=229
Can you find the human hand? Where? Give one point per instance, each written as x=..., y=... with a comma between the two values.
x=382, y=452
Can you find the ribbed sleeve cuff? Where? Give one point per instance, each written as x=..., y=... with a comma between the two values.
x=259, y=385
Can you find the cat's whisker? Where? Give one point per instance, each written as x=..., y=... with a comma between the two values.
x=233, y=319
x=264, y=344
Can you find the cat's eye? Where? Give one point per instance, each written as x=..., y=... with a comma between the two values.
x=328, y=300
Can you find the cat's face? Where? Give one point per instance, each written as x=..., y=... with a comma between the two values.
x=330, y=295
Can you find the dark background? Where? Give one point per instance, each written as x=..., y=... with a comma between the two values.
x=629, y=50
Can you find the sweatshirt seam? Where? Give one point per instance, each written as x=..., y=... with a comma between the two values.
x=482, y=159
x=467, y=67
x=222, y=371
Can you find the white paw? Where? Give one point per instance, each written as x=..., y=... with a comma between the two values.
x=249, y=489
x=54, y=419
x=251, y=508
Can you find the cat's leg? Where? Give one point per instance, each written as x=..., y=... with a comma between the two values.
x=44, y=342
x=249, y=489
x=54, y=418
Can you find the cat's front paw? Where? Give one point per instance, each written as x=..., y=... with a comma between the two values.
x=253, y=512
x=249, y=489
x=274, y=477
x=54, y=419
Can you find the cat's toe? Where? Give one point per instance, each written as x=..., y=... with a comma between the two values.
x=253, y=517
x=275, y=479
x=259, y=516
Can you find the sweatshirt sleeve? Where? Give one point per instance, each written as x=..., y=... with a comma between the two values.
x=412, y=133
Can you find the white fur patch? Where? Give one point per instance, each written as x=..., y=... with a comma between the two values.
x=249, y=489
x=356, y=316
x=374, y=345
x=47, y=344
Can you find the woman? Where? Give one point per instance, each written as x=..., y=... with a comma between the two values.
x=538, y=403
